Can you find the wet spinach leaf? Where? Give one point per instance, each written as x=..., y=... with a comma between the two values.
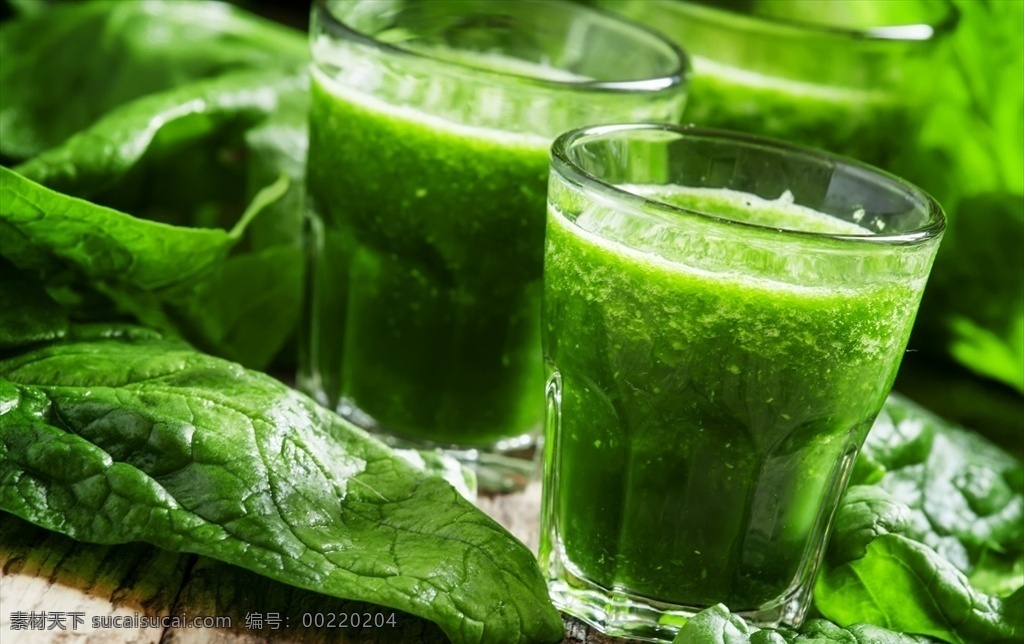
x=930, y=540
x=207, y=108
x=49, y=232
x=235, y=295
x=965, y=495
x=118, y=435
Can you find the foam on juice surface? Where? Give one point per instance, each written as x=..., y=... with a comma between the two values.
x=744, y=277
x=705, y=247
x=426, y=119
x=496, y=62
x=747, y=208
x=454, y=104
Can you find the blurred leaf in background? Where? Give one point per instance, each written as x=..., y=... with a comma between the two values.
x=183, y=112
x=929, y=538
x=106, y=52
x=970, y=156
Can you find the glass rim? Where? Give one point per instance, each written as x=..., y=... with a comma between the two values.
x=563, y=164
x=919, y=32
x=675, y=78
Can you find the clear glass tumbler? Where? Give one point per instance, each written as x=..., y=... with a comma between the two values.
x=430, y=128
x=723, y=318
x=848, y=76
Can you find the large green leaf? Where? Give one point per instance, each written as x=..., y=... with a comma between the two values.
x=117, y=436
x=965, y=496
x=46, y=231
x=186, y=139
x=63, y=68
x=191, y=157
x=183, y=111
x=904, y=585
x=930, y=539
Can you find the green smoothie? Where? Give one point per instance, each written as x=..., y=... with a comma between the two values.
x=714, y=384
x=426, y=277
x=868, y=124
x=829, y=86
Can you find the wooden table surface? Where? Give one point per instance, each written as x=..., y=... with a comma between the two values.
x=54, y=589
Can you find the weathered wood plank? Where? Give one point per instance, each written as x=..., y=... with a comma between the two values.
x=43, y=572
x=262, y=610
x=519, y=512
x=62, y=585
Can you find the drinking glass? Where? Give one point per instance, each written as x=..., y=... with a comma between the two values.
x=848, y=76
x=430, y=128
x=723, y=318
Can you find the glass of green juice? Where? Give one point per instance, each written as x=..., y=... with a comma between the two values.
x=723, y=317
x=430, y=128
x=848, y=76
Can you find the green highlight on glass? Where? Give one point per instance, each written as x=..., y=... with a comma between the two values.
x=430, y=128
x=723, y=317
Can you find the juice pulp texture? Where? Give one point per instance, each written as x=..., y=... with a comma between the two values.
x=428, y=251
x=870, y=125
x=706, y=416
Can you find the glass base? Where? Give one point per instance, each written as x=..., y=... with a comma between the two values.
x=505, y=466
x=618, y=613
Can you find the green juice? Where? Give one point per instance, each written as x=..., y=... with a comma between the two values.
x=780, y=75
x=426, y=263
x=708, y=411
x=867, y=124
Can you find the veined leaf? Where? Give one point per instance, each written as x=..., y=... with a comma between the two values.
x=120, y=435
x=44, y=230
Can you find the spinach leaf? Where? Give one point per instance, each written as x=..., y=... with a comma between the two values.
x=46, y=231
x=867, y=512
x=930, y=539
x=274, y=146
x=106, y=53
x=193, y=157
x=965, y=495
x=149, y=270
x=118, y=435
x=181, y=278
x=27, y=314
x=716, y=625
x=905, y=585
x=820, y=630
x=150, y=147
x=973, y=308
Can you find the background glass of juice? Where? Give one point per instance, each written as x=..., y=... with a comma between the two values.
x=847, y=76
x=430, y=128
x=723, y=317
